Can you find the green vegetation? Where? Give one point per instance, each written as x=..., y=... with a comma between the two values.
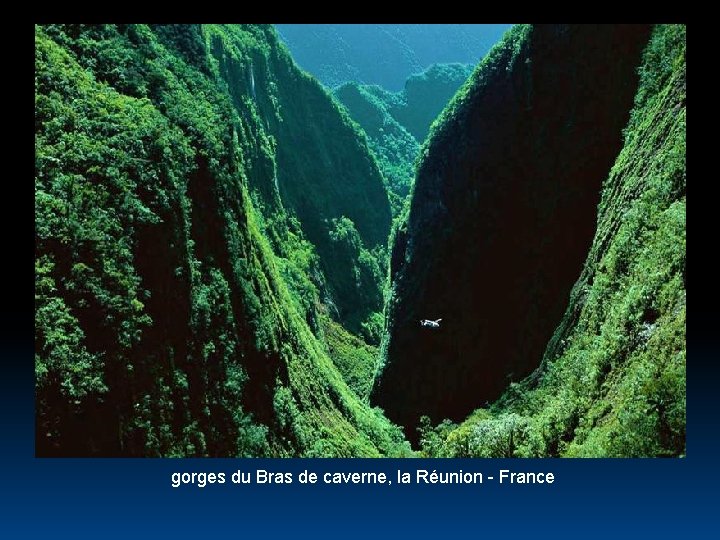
x=394, y=148
x=502, y=215
x=396, y=123
x=612, y=382
x=211, y=247
x=354, y=359
x=183, y=285
x=426, y=95
x=333, y=177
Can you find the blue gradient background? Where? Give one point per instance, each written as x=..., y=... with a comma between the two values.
x=108, y=498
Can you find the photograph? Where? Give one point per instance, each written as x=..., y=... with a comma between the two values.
x=360, y=241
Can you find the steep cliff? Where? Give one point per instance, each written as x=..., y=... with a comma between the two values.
x=502, y=216
x=210, y=245
x=184, y=260
x=323, y=170
x=612, y=382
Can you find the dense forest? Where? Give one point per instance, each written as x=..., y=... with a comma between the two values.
x=232, y=259
x=396, y=123
x=197, y=277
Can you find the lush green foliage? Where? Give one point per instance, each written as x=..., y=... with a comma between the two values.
x=396, y=123
x=359, y=271
x=179, y=292
x=333, y=177
x=612, y=382
x=354, y=359
x=503, y=54
x=203, y=288
x=395, y=149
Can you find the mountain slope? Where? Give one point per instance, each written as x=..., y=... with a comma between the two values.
x=502, y=216
x=394, y=147
x=180, y=308
x=425, y=96
x=333, y=177
x=612, y=382
x=396, y=123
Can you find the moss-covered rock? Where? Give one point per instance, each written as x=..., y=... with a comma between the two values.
x=180, y=279
x=612, y=381
x=503, y=214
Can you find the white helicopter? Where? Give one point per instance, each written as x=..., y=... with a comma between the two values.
x=431, y=324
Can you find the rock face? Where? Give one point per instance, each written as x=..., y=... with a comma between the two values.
x=502, y=216
x=613, y=378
